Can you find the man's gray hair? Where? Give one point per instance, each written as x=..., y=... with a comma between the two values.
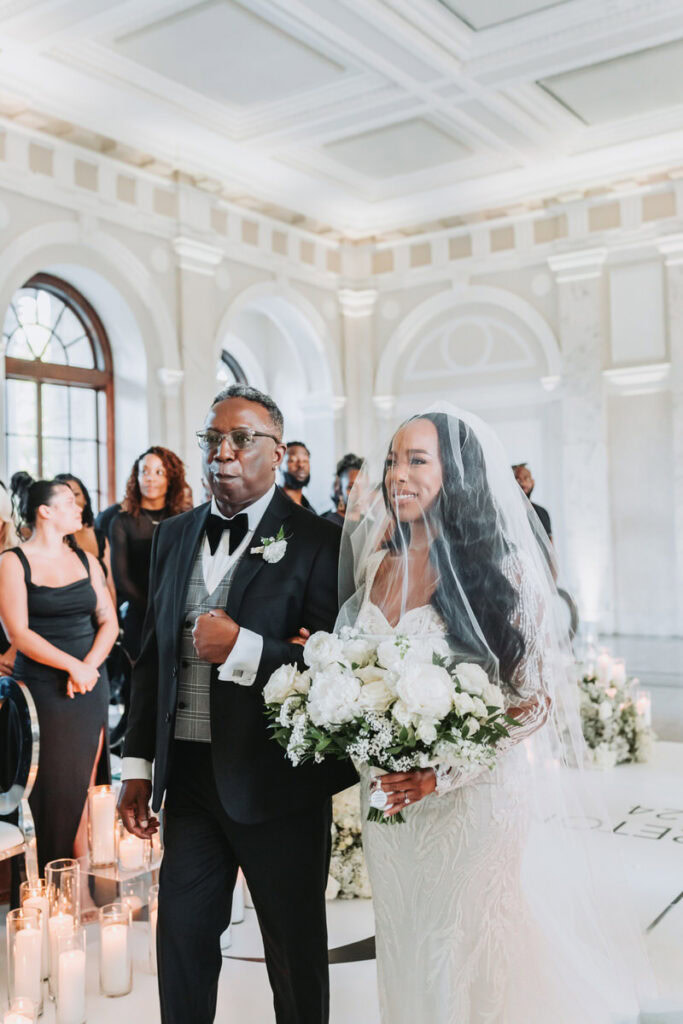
x=250, y=394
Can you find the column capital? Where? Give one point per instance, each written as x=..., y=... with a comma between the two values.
x=580, y=265
x=197, y=256
x=671, y=248
x=170, y=381
x=355, y=303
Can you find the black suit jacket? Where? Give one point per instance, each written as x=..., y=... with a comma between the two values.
x=255, y=780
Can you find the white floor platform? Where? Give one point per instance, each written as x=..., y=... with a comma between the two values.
x=645, y=818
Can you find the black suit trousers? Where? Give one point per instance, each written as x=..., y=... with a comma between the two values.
x=285, y=861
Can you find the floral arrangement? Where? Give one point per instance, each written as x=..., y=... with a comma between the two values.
x=348, y=874
x=615, y=726
x=395, y=704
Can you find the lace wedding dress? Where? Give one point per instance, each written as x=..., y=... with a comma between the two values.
x=456, y=941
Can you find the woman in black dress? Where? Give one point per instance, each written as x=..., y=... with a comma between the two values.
x=57, y=612
x=154, y=492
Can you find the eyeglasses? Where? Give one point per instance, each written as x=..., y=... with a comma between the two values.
x=240, y=439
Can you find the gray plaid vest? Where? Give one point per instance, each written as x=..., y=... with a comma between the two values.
x=193, y=706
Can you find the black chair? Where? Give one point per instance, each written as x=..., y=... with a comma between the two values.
x=19, y=752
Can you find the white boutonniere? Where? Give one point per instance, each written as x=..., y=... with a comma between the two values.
x=272, y=548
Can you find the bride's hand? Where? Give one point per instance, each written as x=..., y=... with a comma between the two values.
x=301, y=637
x=404, y=788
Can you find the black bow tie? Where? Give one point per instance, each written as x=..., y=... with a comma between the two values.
x=238, y=527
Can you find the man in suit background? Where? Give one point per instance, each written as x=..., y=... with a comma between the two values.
x=218, y=617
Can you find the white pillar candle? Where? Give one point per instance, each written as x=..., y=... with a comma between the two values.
x=103, y=826
x=618, y=672
x=131, y=853
x=644, y=706
x=153, y=915
x=237, y=915
x=71, y=987
x=604, y=668
x=17, y=1018
x=115, y=960
x=28, y=947
x=58, y=924
x=40, y=903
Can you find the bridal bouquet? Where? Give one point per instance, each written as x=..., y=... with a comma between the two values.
x=394, y=704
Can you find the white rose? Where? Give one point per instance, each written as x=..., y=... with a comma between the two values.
x=274, y=551
x=604, y=711
x=282, y=684
x=470, y=726
x=302, y=683
x=426, y=690
x=390, y=654
x=358, y=651
x=322, y=649
x=375, y=696
x=402, y=715
x=333, y=697
x=479, y=710
x=426, y=731
x=493, y=696
x=472, y=677
x=463, y=703
x=372, y=674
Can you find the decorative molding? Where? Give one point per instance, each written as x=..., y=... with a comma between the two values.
x=638, y=380
x=170, y=381
x=671, y=248
x=578, y=266
x=384, y=404
x=197, y=256
x=357, y=304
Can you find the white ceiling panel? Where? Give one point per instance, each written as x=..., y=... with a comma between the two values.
x=229, y=54
x=479, y=14
x=404, y=148
x=625, y=87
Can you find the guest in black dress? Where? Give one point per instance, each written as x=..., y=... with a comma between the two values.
x=8, y=539
x=154, y=492
x=56, y=610
x=90, y=537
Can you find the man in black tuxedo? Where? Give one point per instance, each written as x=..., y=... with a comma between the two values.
x=221, y=607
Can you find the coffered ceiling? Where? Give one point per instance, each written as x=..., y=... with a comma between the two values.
x=368, y=116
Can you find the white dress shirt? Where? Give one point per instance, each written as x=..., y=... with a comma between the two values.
x=242, y=663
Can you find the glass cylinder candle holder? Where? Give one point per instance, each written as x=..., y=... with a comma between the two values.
x=643, y=702
x=36, y=896
x=133, y=892
x=21, y=1011
x=133, y=852
x=102, y=830
x=24, y=955
x=63, y=879
x=153, y=904
x=71, y=977
x=116, y=965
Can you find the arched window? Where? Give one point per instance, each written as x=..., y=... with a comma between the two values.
x=59, y=387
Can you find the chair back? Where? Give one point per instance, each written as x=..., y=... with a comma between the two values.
x=19, y=754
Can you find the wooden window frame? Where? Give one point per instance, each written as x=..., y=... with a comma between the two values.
x=101, y=379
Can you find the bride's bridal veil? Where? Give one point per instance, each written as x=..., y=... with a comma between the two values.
x=437, y=518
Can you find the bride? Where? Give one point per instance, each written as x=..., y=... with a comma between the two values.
x=486, y=909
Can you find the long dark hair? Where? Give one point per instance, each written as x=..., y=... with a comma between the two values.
x=175, y=475
x=472, y=540
x=34, y=493
x=87, y=514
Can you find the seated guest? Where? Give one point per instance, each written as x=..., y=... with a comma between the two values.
x=348, y=468
x=90, y=538
x=56, y=610
x=296, y=471
x=527, y=483
x=8, y=539
x=20, y=480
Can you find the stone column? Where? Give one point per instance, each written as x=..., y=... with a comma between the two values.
x=588, y=555
x=672, y=249
x=357, y=308
x=196, y=290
